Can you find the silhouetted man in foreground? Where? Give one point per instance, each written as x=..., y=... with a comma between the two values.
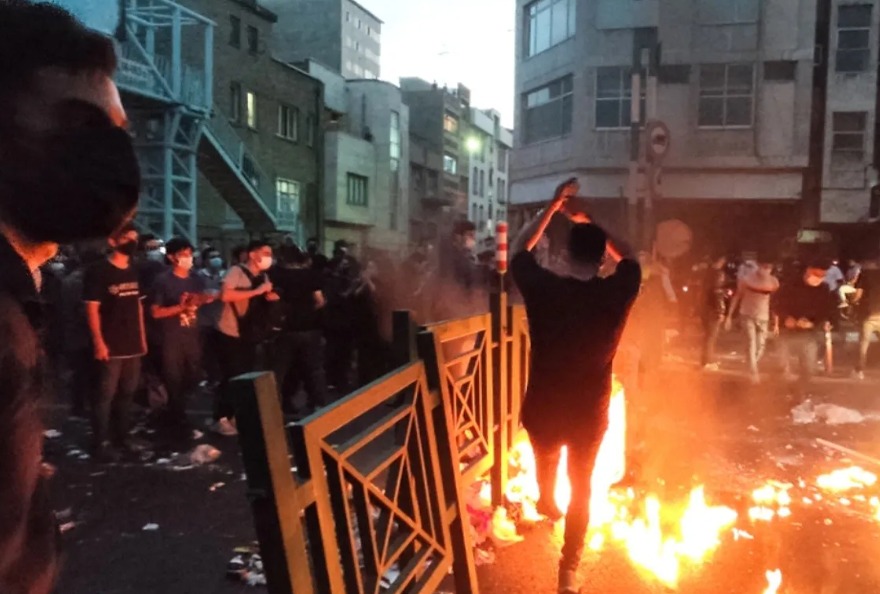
x=575, y=324
x=69, y=174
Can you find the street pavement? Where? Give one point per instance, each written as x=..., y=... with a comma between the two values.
x=691, y=428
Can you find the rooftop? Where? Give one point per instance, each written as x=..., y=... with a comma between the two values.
x=367, y=10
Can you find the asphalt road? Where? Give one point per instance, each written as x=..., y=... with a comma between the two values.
x=693, y=428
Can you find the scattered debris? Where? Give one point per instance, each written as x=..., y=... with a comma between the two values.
x=51, y=434
x=66, y=527
x=831, y=414
x=197, y=435
x=150, y=527
x=204, y=454
x=64, y=514
x=216, y=486
x=247, y=566
x=163, y=461
x=850, y=452
x=753, y=429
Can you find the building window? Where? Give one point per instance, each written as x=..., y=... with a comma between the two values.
x=502, y=192
x=310, y=131
x=450, y=123
x=394, y=150
x=251, y=109
x=482, y=183
x=474, y=213
x=482, y=222
x=253, y=39
x=548, y=110
x=347, y=17
x=548, y=23
x=234, y=31
x=848, y=144
x=614, y=97
x=287, y=197
x=235, y=102
x=726, y=95
x=853, y=37
x=357, y=190
x=288, y=122
x=502, y=158
x=450, y=164
x=475, y=182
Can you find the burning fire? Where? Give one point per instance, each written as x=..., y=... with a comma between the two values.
x=774, y=580
x=658, y=538
x=846, y=479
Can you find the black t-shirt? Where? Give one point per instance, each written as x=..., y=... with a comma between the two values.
x=869, y=282
x=575, y=328
x=297, y=288
x=117, y=290
x=168, y=290
x=799, y=300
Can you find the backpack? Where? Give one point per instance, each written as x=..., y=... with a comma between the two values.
x=256, y=324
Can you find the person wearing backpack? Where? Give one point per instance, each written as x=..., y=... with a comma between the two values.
x=244, y=324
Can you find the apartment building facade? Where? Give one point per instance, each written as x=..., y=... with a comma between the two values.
x=488, y=146
x=439, y=126
x=735, y=87
x=341, y=34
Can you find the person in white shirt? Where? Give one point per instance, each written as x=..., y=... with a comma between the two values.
x=754, y=288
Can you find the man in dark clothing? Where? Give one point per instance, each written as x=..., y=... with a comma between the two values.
x=339, y=282
x=69, y=174
x=868, y=300
x=575, y=325
x=804, y=310
x=318, y=260
x=177, y=296
x=714, y=310
x=115, y=313
x=299, y=350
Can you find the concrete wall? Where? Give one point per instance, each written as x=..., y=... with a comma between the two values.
x=307, y=29
x=344, y=154
x=778, y=139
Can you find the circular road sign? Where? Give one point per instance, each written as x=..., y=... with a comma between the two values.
x=658, y=139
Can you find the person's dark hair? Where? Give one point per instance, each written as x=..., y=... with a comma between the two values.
x=237, y=251
x=176, y=245
x=587, y=243
x=34, y=36
x=462, y=227
x=125, y=229
x=144, y=239
x=257, y=244
x=292, y=255
x=208, y=253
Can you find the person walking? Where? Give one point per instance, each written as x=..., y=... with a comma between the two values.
x=575, y=325
x=713, y=310
x=755, y=286
x=868, y=303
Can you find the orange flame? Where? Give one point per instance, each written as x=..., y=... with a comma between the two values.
x=846, y=479
x=774, y=581
x=658, y=538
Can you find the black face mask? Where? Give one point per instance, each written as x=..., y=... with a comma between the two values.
x=77, y=182
x=127, y=249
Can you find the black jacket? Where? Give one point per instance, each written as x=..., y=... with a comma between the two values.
x=28, y=535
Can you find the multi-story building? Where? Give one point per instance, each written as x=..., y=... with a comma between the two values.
x=439, y=122
x=366, y=156
x=488, y=146
x=845, y=115
x=341, y=34
x=735, y=87
x=260, y=161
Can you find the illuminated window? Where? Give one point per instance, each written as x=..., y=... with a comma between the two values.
x=251, y=109
x=450, y=164
x=287, y=193
x=450, y=123
x=548, y=23
x=726, y=95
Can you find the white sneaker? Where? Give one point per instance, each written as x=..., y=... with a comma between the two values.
x=568, y=582
x=224, y=427
x=859, y=375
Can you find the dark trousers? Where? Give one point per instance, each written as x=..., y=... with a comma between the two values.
x=581, y=460
x=711, y=328
x=181, y=369
x=210, y=355
x=340, y=350
x=803, y=346
x=118, y=381
x=237, y=357
x=83, y=377
x=298, y=357
x=373, y=358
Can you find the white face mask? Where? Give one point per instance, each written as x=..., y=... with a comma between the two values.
x=185, y=262
x=265, y=263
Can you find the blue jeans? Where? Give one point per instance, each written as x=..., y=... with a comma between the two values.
x=756, y=330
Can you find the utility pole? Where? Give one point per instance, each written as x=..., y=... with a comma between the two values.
x=650, y=59
x=632, y=210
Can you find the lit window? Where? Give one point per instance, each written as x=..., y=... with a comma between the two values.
x=288, y=122
x=853, y=38
x=614, y=97
x=726, y=95
x=450, y=123
x=848, y=144
x=287, y=199
x=450, y=164
x=548, y=23
x=251, y=109
x=235, y=102
x=548, y=110
x=357, y=190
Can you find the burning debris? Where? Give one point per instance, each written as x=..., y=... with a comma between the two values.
x=774, y=581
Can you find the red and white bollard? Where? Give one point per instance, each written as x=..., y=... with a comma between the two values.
x=501, y=247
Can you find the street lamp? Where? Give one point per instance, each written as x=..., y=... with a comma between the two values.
x=472, y=144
